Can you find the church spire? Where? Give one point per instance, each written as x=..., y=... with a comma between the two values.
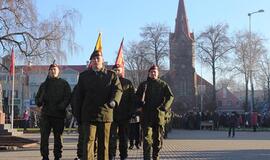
x=181, y=22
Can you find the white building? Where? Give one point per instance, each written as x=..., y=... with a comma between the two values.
x=28, y=80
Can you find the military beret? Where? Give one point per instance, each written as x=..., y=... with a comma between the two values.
x=53, y=65
x=95, y=54
x=153, y=67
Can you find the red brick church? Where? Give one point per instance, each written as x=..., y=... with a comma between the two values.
x=182, y=77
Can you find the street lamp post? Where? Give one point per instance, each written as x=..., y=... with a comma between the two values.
x=250, y=71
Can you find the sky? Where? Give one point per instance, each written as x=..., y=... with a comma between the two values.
x=116, y=19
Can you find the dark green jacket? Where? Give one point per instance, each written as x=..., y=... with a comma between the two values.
x=53, y=95
x=127, y=103
x=94, y=92
x=158, y=100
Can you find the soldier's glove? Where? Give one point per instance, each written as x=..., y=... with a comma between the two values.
x=112, y=104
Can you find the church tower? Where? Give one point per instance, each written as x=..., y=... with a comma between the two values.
x=181, y=76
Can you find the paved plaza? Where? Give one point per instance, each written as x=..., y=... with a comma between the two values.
x=181, y=144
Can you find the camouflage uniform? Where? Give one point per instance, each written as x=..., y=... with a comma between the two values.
x=121, y=117
x=95, y=90
x=53, y=95
x=158, y=99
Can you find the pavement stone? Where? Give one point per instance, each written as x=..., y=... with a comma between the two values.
x=180, y=145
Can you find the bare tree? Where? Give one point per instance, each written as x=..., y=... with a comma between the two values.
x=248, y=51
x=241, y=60
x=156, y=39
x=257, y=49
x=213, y=45
x=137, y=62
x=264, y=77
x=32, y=39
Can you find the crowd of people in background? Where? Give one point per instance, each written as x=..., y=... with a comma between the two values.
x=192, y=120
x=188, y=120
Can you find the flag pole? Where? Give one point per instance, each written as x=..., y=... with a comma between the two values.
x=12, y=100
x=12, y=71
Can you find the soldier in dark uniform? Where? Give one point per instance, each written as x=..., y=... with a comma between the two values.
x=121, y=117
x=73, y=103
x=52, y=97
x=156, y=99
x=98, y=92
x=134, y=130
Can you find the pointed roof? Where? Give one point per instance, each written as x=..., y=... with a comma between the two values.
x=181, y=21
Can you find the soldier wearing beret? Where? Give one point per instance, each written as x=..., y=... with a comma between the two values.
x=98, y=92
x=52, y=97
x=121, y=116
x=155, y=100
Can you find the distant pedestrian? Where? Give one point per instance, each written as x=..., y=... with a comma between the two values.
x=232, y=124
x=216, y=120
x=254, y=121
x=26, y=117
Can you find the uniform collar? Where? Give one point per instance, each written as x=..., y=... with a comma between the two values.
x=152, y=80
x=103, y=69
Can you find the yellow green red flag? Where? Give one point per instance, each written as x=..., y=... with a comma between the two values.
x=120, y=58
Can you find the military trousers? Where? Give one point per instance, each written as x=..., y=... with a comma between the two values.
x=153, y=136
x=119, y=130
x=47, y=123
x=102, y=131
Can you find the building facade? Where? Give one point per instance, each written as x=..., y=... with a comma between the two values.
x=227, y=101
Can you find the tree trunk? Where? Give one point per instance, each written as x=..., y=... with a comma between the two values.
x=246, y=96
x=252, y=93
x=268, y=90
x=214, y=107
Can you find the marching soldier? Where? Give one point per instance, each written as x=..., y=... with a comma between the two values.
x=156, y=99
x=121, y=117
x=98, y=92
x=52, y=97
